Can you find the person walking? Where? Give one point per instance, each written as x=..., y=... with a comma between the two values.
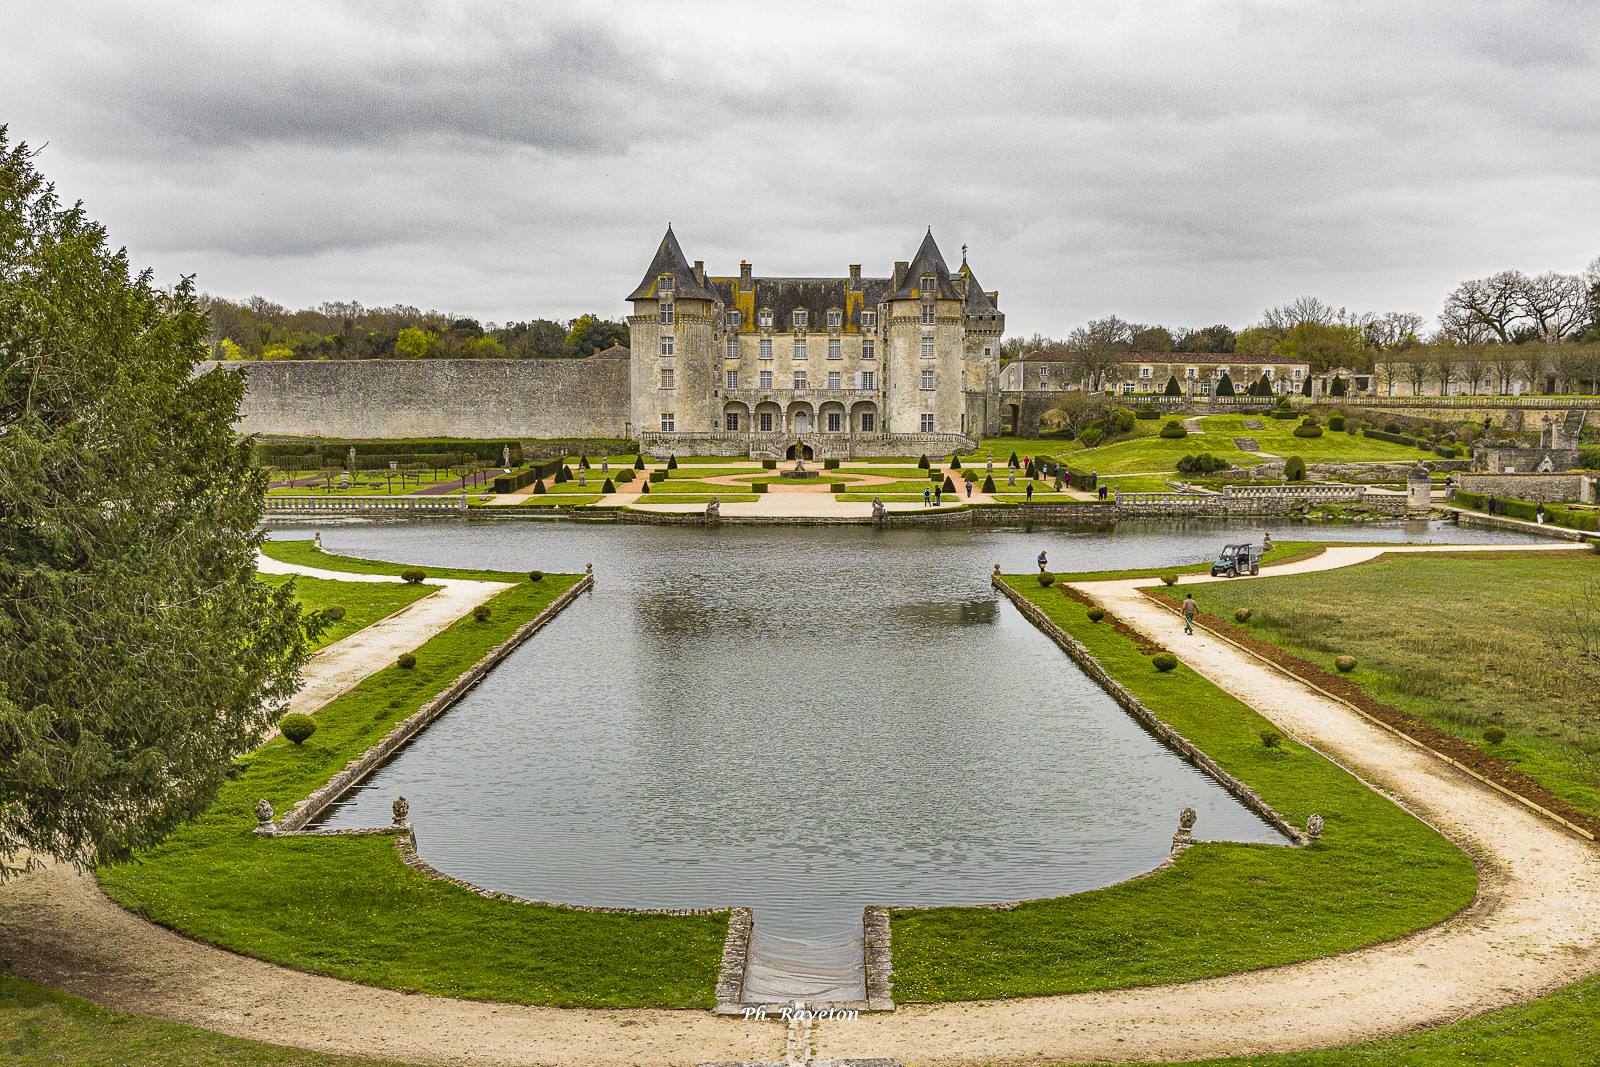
x=1102, y=492
x=927, y=498
x=1030, y=492
x=1042, y=561
x=1190, y=610
x=938, y=495
x=969, y=490
x=1538, y=514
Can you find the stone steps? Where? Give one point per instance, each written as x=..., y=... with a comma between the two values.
x=1246, y=444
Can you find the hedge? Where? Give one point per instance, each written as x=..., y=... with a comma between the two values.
x=1396, y=438
x=1528, y=511
x=1083, y=481
x=339, y=451
x=510, y=483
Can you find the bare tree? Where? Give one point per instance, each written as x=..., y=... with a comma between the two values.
x=1388, y=364
x=1490, y=304
x=1442, y=364
x=1392, y=329
x=1508, y=364
x=1556, y=304
x=1473, y=364
x=1097, y=350
x=1417, y=369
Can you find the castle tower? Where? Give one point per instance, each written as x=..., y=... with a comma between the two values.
x=924, y=357
x=984, y=328
x=674, y=330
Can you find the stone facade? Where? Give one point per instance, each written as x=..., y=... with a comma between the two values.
x=1554, y=488
x=472, y=398
x=1052, y=371
x=916, y=352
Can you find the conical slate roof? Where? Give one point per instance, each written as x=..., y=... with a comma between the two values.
x=671, y=260
x=977, y=301
x=927, y=260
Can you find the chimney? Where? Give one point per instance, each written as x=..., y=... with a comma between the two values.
x=900, y=267
x=744, y=276
x=700, y=272
x=855, y=276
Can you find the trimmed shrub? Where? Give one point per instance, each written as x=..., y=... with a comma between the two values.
x=657, y=477
x=1284, y=414
x=297, y=727
x=955, y=462
x=1169, y=579
x=1337, y=388
x=624, y=477
x=1294, y=469
x=672, y=463
x=1271, y=738
x=538, y=488
x=935, y=474
x=562, y=475
x=836, y=487
x=1174, y=429
x=1013, y=462
x=988, y=484
x=1164, y=661
x=1336, y=422
x=948, y=486
x=830, y=464
x=1046, y=579
x=1225, y=385
x=536, y=576
x=406, y=661
x=413, y=575
x=644, y=487
x=638, y=462
x=1173, y=388
x=1242, y=615
x=482, y=613
x=583, y=462
x=1096, y=613
x=969, y=475
x=1346, y=664
x=759, y=487
x=1147, y=414
x=609, y=487
x=1308, y=428
x=1494, y=735
x=1204, y=463
x=923, y=462
x=1391, y=427
x=333, y=612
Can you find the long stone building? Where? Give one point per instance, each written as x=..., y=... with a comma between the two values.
x=852, y=365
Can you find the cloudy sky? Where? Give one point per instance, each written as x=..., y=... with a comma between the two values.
x=1183, y=163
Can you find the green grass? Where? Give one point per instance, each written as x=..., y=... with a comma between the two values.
x=893, y=498
x=1456, y=641
x=1225, y=907
x=300, y=553
x=1139, y=483
x=364, y=603
x=347, y=907
x=656, y=497
x=1334, y=446
x=566, y=500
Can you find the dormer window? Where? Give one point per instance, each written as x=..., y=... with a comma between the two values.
x=731, y=319
x=868, y=319
x=929, y=283
x=666, y=283
x=835, y=319
x=764, y=317
x=800, y=320
x=666, y=315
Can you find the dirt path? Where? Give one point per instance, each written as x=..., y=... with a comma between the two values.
x=1536, y=926
x=339, y=666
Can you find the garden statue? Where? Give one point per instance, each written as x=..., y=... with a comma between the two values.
x=1314, y=827
x=316, y=541
x=989, y=467
x=505, y=454
x=1184, y=837
x=1011, y=479
x=799, y=460
x=605, y=465
x=582, y=479
x=588, y=568
x=879, y=512
x=402, y=808
x=714, y=510
x=264, y=823
x=1266, y=542
x=352, y=457
x=344, y=479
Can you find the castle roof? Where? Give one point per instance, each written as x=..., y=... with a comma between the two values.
x=928, y=260
x=977, y=301
x=615, y=352
x=670, y=259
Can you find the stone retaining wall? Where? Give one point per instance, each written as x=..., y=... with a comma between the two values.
x=1535, y=488
x=1130, y=703
x=735, y=956
x=879, y=960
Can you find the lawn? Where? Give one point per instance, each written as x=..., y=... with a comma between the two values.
x=364, y=603
x=347, y=906
x=1434, y=637
x=1376, y=874
x=1145, y=454
x=301, y=553
x=1277, y=436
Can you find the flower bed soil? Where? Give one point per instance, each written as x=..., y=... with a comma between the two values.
x=1501, y=772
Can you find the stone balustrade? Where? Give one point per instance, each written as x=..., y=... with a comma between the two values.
x=305, y=504
x=1316, y=493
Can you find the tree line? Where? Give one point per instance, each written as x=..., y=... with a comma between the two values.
x=257, y=328
x=1492, y=333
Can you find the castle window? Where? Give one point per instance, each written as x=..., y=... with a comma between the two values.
x=766, y=379
x=731, y=319
x=833, y=349
x=929, y=283
x=666, y=378
x=666, y=346
x=835, y=318
x=987, y=351
x=766, y=348
x=1297, y=372
x=1044, y=371
x=927, y=379
x=834, y=380
x=668, y=422
x=1188, y=372
x=799, y=379
x=666, y=283
x=927, y=423
x=733, y=348
x=766, y=422
x=868, y=421
x=868, y=319
x=834, y=422
x=799, y=348
x=927, y=314
x=799, y=320
x=733, y=379
x=1144, y=372
x=666, y=314
x=733, y=421
x=927, y=348
x=866, y=379
x=868, y=349
x=765, y=318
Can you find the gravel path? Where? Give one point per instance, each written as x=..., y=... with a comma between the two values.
x=1535, y=927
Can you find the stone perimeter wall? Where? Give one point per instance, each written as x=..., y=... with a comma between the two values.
x=467, y=398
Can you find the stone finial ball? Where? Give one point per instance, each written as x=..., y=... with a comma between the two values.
x=1186, y=818
x=402, y=808
x=263, y=812
x=1314, y=826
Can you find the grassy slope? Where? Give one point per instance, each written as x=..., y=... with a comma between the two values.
x=349, y=908
x=364, y=602
x=1433, y=637
x=1377, y=873
x=1276, y=437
